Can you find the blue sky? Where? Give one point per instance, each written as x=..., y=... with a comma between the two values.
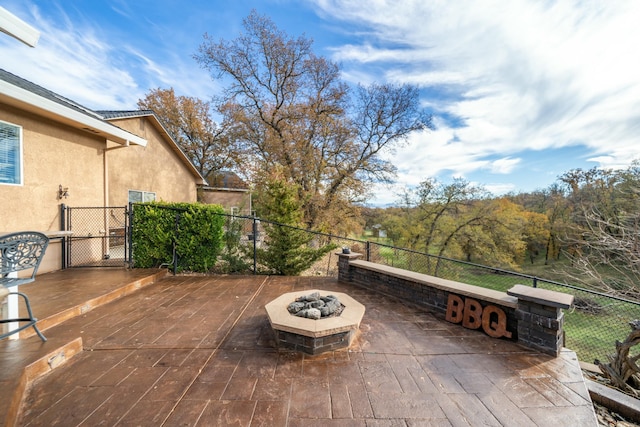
x=521, y=90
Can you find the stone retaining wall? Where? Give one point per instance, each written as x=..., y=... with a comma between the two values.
x=530, y=316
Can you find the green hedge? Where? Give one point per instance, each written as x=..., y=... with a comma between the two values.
x=198, y=237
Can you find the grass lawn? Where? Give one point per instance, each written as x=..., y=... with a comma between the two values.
x=592, y=326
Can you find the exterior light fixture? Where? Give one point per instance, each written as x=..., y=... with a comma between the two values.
x=63, y=192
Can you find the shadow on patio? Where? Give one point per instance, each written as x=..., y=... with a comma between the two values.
x=196, y=350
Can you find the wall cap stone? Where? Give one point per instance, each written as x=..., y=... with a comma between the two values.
x=488, y=295
x=350, y=256
x=282, y=320
x=542, y=296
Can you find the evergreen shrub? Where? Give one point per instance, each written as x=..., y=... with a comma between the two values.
x=197, y=228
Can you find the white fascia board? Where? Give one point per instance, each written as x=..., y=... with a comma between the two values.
x=15, y=27
x=82, y=121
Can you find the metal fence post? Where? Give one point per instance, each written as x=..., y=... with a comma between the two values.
x=68, y=227
x=63, y=227
x=129, y=235
x=368, y=250
x=255, y=238
x=173, y=244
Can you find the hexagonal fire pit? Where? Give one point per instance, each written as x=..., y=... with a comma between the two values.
x=314, y=336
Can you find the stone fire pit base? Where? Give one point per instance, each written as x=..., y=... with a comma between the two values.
x=314, y=336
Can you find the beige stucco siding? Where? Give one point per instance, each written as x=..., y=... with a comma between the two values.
x=154, y=168
x=228, y=199
x=53, y=155
x=95, y=171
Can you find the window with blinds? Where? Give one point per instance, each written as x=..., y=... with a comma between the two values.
x=10, y=154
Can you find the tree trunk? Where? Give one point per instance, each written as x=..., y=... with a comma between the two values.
x=622, y=370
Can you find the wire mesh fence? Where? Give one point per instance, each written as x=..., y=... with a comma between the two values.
x=99, y=236
x=592, y=326
x=245, y=237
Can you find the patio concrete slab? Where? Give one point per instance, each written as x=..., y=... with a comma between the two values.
x=195, y=350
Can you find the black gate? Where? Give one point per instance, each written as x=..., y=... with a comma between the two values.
x=100, y=236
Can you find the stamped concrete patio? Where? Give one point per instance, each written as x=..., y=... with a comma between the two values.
x=193, y=350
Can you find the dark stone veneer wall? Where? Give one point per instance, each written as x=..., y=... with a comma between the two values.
x=534, y=316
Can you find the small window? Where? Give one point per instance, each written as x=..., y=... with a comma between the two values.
x=235, y=211
x=136, y=196
x=10, y=154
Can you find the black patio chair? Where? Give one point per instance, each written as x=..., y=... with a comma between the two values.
x=18, y=252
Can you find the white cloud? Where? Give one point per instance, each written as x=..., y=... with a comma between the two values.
x=522, y=75
x=500, y=188
x=75, y=61
x=504, y=78
x=430, y=154
x=387, y=195
x=97, y=67
x=504, y=165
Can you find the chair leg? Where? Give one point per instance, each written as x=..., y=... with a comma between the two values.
x=31, y=321
x=28, y=304
x=42, y=337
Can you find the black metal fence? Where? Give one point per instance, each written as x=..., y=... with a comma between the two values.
x=243, y=237
x=592, y=326
x=99, y=236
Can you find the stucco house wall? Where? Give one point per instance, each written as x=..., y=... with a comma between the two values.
x=65, y=144
x=53, y=155
x=228, y=199
x=154, y=168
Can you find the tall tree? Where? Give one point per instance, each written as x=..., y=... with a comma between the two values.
x=488, y=231
x=295, y=112
x=210, y=146
x=551, y=202
x=288, y=250
x=536, y=233
x=439, y=204
x=605, y=234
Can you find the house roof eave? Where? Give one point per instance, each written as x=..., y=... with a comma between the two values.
x=29, y=101
x=229, y=190
x=120, y=115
